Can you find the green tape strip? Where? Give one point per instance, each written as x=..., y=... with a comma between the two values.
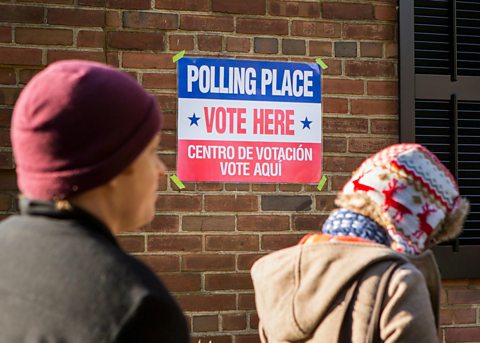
x=178, y=56
x=177, y=181
x=322, y=182
x=321, y=63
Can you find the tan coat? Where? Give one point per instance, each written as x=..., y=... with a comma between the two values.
x=307, y=293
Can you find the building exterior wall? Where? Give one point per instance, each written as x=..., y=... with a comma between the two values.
x=205, y=237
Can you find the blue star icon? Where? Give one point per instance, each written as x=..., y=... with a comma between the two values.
x=194, y=120
x=306, y=123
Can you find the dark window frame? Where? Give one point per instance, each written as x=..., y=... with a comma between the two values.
x=455, y=261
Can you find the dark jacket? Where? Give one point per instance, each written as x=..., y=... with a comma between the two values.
x=63, y=278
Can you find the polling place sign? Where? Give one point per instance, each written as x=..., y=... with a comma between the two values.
x=249, y=121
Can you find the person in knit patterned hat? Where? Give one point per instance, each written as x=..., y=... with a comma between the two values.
x=369, y=276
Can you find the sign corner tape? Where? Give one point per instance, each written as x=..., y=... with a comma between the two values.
x=177, y=181
x=322, y=64
x=178, y=56
x=322, y=182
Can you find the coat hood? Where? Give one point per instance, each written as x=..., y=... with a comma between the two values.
x=296, y=287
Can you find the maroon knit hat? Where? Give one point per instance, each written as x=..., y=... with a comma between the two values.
x=76, y=125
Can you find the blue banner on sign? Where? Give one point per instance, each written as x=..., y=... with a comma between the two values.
x=209, y=78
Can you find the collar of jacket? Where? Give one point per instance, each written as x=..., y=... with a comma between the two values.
x=29, y=207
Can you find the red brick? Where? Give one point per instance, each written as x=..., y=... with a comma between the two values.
x=369, y=145
x=263, y=45
x=464, y=334
x=391, y=50
x=387, y=13
x=5, y=34
x=8, y=181
x=210, y=43
x=4, y=134
x=208, y=262
x=204, y=323
x=369, y=68
x=371, y=49
x=263, y=223
x=6, y=201
x=129, y=5
x=276, y=242
x=342, y=86
x=20, y=56
x=387, y=88
x=247, y=338
x=91, y=39
x=162, y=263
x=8, y=96
x=237, y=187
x=7, y=76
x=182, y=282
x=317, y=48
x=43, y=36
x=5, y=117
x=231, y=203
x=234, y=322
x=113, y=19
x=384, y=126
x=334, y=144
x=289, y=187
x=160, y=81
x=136, y=40
x=186, y=5
x=341, y=163
x=338, y=181
x=211, y=339
x=324, y=202
x=239, y=6
x=6, y=162
x=236, y=44
x=246, y=261
x=294, y=9
x=315, y=29
x=230, y=281
x=334, y=10
x=334, y=105
x=232, y=243
x=334, y=67
x=132, y=243
x=374, y=106
x=293, y=47
x=21, y=14
x=345, y=125
x=93, y=3
x=206, y=23
x=464, y=296
x=148, y=61
x=458, y=316
x=181, y=42
x=147, y=20
x=76, y=17
x=174, y=243
x=167, y=102
x=59, y=2
x=56, y=55
x=164, y=223
x=207, y=302
x=308, y=223
x=208, y=223
x=368, y=31
x=209, y=186
x=254, y=320
x=262, y=26
x=246, y=302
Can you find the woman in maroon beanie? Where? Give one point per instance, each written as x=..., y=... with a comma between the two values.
x=84, y=139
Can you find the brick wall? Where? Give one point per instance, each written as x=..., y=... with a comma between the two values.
x=206, y=237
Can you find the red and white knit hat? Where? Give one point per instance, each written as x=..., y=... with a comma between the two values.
x=410, y=193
